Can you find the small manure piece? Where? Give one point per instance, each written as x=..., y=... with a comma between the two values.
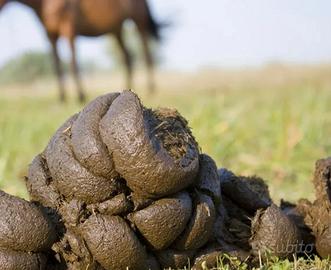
x=236, y=227
x=174, y=259
x=139, y=202
x=118, y=205
x=87, y=145
x=297, y=214
x=234, y=251
x=143, y=146
x=221, y=216
x=235, y=211
x=208, y=179
x=113, y=244
x=74, y=253
x=323, y=242
x=207, y=258
x=200, y=226
x=16, y=260
x=170, y=128
x=39, y=183
x=210, y=256
x=322, y=180
x=163, y=221
x=72, y=212
x=70, y=177
x=318, y=214
x=250, y=193
x=23, y=226
x=274, y=232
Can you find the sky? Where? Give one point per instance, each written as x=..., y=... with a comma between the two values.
x=210, y=33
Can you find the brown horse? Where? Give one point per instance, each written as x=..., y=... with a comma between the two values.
x=70, y=18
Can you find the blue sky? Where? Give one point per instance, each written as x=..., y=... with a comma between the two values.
x=225, y=33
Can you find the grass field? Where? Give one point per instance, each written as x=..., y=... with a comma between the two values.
x=274, y=122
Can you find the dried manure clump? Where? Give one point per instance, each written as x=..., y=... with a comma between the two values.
x=122, y=186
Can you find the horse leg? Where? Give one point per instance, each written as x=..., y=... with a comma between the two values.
x=148, y=58
x=58, y=67
x=75, y=69
x=127, y=57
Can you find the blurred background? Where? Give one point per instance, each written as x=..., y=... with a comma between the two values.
x=252, y=77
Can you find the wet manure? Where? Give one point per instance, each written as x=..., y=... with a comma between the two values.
x=112, y=243
x=87, y=145
x=208, y=180
x=175, y=259
x=21, y=219
x=25, y=234
x=207, y=258
x=200, y=227
x=122, y=180
x=250, y=193
x=163, y=221
x=154, y=151
x=317, y=215
x=122, y=186
x=17, y=260
x=39, y=183
x=297, y=213
x=274, y=232
x=70, y=177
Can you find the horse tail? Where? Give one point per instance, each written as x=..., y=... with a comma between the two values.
x=154, y=27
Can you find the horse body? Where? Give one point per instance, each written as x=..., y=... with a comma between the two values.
x=102, y=19
x=70, y=18
x=85, y=17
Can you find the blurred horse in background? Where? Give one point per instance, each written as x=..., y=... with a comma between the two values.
x=71, y=18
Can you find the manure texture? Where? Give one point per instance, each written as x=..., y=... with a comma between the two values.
x=122, y=186
x=26, y=234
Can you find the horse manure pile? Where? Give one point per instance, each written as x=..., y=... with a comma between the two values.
x=121, y=186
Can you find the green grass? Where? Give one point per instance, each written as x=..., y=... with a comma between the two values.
x=273, y=123
x=273, y=263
